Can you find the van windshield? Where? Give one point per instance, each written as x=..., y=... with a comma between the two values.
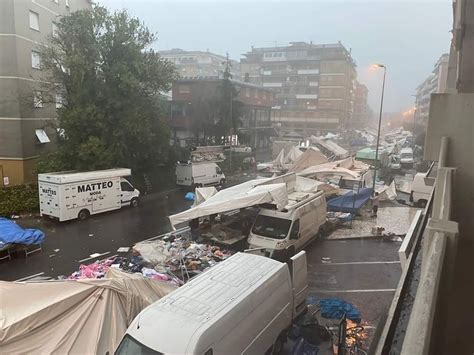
x=131, y=346
x=271, y=227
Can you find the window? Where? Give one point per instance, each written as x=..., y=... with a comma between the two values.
x=218, y=170
x=59, y=100
x=125, y=186
x=34, y=21
x=54, y=29
x=256, y=94
x=131, y=346
x=271, y=227
x=184, y=89
x=35, y=60
x=38, y=99
x=295, y=230
x=42, y=136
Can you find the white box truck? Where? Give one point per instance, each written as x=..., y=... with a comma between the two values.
x=281, y=234
x=70, y=195
x=243, y=305
x=199, y=174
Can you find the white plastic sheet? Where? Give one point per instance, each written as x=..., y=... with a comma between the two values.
x=248, y=194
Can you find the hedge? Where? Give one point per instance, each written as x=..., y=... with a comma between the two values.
x=18, y=199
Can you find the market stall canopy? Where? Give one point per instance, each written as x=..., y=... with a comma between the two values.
x=73, y=317
x=312, y=156
x=250, y=193
x=203, y=194
x=345, y=167
x=335, y=149
x=293, y=155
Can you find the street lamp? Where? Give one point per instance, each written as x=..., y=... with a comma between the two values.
x=380, y=121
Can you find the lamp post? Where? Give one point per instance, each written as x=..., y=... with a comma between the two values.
x=380, y=122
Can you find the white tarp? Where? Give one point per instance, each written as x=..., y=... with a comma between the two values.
x=73, y=316
x=279, y=160
x=346, y=167
x=293, y=155
x=204, y=193
x=387, y=192
x=312, y=156
x=250, y=193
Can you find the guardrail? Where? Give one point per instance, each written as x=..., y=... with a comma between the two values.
x=438, y=235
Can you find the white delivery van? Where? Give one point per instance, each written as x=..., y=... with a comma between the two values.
x=70, y=195
x=281, y=234
x=243, y=305
x=422, y=186
x=406, y=157
x=199, y=174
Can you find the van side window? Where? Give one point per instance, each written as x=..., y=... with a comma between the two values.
x=125, y=186
x=295, y=229
x=209, y=352
x=218, y=172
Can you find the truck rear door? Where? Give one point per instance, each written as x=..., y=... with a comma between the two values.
x=49, y=199
x=299, y=278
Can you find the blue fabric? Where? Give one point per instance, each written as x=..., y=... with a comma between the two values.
x=346, y=202
x=11, y=233
x=189, y=196
x=335, y=308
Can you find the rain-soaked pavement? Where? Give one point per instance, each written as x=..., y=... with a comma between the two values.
x=102, y=233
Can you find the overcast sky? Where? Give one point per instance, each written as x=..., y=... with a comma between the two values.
x=407, y=36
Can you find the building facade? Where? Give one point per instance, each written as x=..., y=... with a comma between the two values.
x=435, y=83
x=24, y=28
x=192, y=103
x=313, y=83
x=362, y=112
x=194, y=64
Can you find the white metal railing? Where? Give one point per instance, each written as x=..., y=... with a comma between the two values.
x=439, y=245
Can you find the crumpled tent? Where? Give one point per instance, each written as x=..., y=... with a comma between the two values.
x=12, y=233
x=312, y=156
x=73, y=317
x=279, y=161
x=348, y=202
x=387, y=192
x=203, y=194
x=293, y=155
x=346, y=167
x=335, y=149
x=250, y=193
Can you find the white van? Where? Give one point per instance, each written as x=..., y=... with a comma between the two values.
x=406, y=157
x=199, y=174
x=281, y=234
x=422, y=186
x=243, y=305
x=71, y=195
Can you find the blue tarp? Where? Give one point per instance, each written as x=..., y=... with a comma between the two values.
x=190, y=196
x=12, y=233
x=335, y=308
x=348, y=202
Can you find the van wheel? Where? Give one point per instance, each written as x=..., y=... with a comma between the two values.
x=134, y=202
x=83, y=214
x=421, y=203
x=279, y=344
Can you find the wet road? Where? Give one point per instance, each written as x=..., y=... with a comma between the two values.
x=102, y=233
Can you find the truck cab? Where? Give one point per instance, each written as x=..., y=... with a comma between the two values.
x=281, y=234
x=129, y=195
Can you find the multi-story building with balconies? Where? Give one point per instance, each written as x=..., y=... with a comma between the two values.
x=24, y=28
x=314, y=85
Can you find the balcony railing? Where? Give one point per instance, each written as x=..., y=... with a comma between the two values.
x=426, y=253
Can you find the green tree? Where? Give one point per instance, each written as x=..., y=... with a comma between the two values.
x=109, y=79
x=229, y=110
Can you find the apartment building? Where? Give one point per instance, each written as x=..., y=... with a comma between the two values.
x=362, y=111
x=24, y=133
x=193, y=98
x=314, y=85
x=193, y=64
x=434, y=83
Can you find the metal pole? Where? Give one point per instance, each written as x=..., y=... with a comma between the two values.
x=380, y=122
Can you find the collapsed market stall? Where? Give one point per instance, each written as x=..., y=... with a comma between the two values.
x=73, y=316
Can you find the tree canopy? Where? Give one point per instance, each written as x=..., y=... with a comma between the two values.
x=109, y=81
